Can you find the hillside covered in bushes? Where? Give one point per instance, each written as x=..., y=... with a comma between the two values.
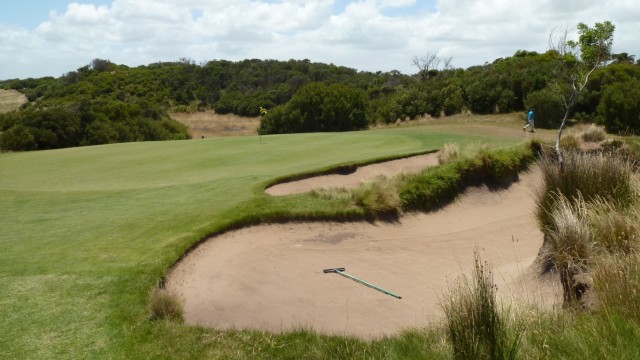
x=106, y=103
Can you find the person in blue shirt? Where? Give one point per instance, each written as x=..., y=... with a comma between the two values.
x=530, y=123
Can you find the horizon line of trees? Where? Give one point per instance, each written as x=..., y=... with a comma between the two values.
x=105, y=103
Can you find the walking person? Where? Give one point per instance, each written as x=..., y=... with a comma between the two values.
x=530, y=123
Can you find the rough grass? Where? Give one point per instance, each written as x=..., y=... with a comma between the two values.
x=448, y=153
x=438, y=186
x=166, y=304
x=593, y=133
x=570, y=242
x=592, y=176
x=617, y=282
x=615, y=228
x=476, y=323
x=205, y=124
x=11, y=100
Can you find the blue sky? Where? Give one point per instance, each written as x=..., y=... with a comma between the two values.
x=29, y=14
x=52, y=37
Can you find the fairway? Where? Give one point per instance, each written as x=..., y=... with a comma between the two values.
x=87, y=232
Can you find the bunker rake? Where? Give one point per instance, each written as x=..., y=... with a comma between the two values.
x=340, y=271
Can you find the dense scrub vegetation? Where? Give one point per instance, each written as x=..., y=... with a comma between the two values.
x=105, y=103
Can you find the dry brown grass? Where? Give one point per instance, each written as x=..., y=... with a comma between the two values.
x=166, y=305
x=11, y=100
x=209, y=124
x=450, y=152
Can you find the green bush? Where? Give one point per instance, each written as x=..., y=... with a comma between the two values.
x=318, y=107
x=548, y=108
x=620, y=108
x=18, y=138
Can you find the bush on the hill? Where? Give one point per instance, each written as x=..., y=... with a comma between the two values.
x=547, y=107
x=318, y=107
x=620, y=108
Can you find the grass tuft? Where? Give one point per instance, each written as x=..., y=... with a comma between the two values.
x=570, y=143
x=570, y=242
x=476, y=326
x=593, y=176
x=593, y=133
x=378, y=196
x=615, y=228
x=449, y=153
x=166, y=305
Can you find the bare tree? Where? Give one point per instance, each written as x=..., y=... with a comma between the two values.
x=447, y=63
x=428, y=62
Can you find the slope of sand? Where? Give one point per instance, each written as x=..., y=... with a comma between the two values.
x=271, y=277
x=411, y=164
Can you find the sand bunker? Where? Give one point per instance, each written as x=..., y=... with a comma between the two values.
x=411, y=164
x=270, y=277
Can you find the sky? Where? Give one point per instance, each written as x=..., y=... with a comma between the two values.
x=52, y=37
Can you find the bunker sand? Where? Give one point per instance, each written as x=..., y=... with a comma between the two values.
x=270, y=277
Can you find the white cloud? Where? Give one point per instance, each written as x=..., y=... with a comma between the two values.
x=363, y=36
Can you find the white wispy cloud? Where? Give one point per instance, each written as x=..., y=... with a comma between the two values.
x=363, y=36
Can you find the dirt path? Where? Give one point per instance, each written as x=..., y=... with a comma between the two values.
x=270, y=277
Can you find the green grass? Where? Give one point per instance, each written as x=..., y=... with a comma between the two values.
x=87, y=232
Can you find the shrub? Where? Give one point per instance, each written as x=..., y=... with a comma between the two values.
x=548, y=108
x=166, y=305
x=319, y=107
x=476, y=327
x=619, y=107
x=449, y=152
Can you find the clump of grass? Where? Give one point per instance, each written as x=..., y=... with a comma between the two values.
x=570, y=143
x=449, y=152
x=616, y=280
x=615, y=229
x=593, y=176
x=593, y=133
x=476, y=326
x=570, y=242
x=378, y=196
x=166, y=304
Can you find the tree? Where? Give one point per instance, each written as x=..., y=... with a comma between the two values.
x=575, y=62
x=426, y=63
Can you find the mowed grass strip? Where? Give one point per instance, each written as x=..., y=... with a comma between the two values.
x=87, y=232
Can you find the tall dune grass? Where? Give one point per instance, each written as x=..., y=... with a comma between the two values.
x=477, y=327
x=617, y=283
x=592, y=176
